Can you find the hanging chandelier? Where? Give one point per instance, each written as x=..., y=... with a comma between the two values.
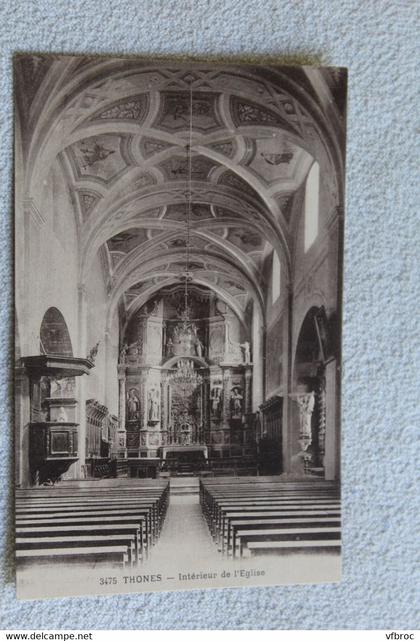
x=186, y=275
x=185, y=373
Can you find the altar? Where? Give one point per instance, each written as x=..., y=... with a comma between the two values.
x=184, y=459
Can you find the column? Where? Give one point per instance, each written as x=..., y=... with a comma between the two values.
x=321, y=407
x=121, y=446
x=258, y=358
x=81, y=380
x=332, y=439
x=226, y=396
x=22, y=420
x=248, y=393
x=164, y=410
x=226, y=350
x=121, y=396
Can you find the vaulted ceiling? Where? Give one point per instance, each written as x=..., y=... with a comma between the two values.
x=120, y=131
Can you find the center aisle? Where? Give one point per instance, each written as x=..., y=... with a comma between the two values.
x=185, y=536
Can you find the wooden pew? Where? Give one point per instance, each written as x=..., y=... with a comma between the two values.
x=130, y=530
x=98, y=516
x=92, y=522
x=286, y=547
x=82, y=540
x=114, y=556
x=268, y=510
x=226, y=534
x=297, y=533
x=146, y=508
x=277, y=523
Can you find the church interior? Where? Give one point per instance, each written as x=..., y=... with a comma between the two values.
x=178, y=254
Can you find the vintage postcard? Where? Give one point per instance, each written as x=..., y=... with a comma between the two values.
x=178, y=249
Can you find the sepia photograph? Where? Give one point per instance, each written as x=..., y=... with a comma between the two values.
x=178, y=308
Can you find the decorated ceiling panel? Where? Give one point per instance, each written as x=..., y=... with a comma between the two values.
x=134, y=108
x=101, y=158
x=152, y=146
x=246, y=239
x=178, y=167
x=126, y=241
x=275, y=159
x=179, y=212
x=246, y=112
x=175, y=112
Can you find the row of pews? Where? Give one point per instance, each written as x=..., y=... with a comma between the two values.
x=264, y=515
x=112, y=522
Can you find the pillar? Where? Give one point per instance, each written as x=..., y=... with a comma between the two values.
x=121, y=445
x=226, y=395
x=258, y=358
x=81, y=380
x=248, y=392
x=332, y=439
x=22, y=420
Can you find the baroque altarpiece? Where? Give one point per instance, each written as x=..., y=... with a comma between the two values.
x=185, y=377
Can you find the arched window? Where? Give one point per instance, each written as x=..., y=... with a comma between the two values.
x=54, y=335
x=275, y=278
x=311, y=206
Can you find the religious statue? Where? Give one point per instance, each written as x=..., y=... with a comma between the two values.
x=216, y=402
x=93, y=353
x=236, y=399
x=153, y=413
x=69, y=387
x=199, y=347
x=169, y=347
x=306, y=404
x=123, y=353
x=56, y=388
x=184, y=336
x=185, y=434
x=62, y=416
x=247, y=351
x=133, y=405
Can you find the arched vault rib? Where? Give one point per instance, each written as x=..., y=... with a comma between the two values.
x=104, y=226
x=99, y=78
x=140, y=255
x=143, y=298
x=148, y=267
x=222, y=293
x=262, y=191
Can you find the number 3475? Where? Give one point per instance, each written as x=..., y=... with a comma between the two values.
x=108, y=580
